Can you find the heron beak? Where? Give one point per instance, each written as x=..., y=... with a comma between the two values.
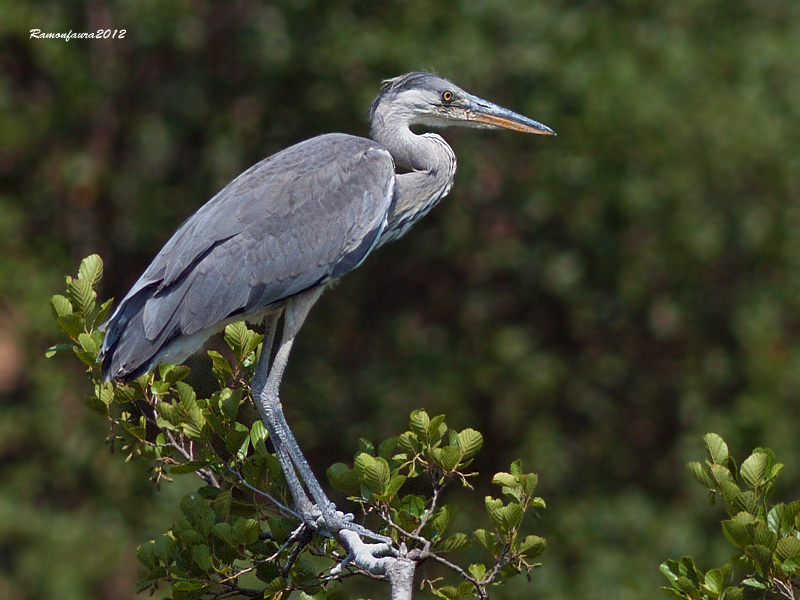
x=485, y=114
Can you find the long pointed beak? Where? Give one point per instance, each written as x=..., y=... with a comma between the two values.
x=485, y=114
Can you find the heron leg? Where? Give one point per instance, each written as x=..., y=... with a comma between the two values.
x=266, y=386
x=304, y=505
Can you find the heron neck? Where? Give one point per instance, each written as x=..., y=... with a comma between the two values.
x=432, y=168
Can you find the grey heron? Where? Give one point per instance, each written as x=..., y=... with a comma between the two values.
x=269, y=243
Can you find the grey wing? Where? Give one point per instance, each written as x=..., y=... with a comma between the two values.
x=293, y=221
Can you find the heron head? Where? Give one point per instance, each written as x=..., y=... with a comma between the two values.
x=426, y=99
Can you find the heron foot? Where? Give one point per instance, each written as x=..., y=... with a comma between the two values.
x=333, y=523
x=375, y=558
x=329, y=522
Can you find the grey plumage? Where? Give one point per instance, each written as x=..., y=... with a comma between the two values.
x=293, y=221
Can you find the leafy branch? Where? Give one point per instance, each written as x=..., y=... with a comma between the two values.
x=239, y=536
x=766, y=536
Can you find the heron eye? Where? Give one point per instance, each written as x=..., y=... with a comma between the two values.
x=447, y=96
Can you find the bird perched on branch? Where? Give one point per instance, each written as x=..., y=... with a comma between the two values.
x=266, y=246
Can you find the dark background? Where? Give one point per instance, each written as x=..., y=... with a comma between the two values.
x=593, y=303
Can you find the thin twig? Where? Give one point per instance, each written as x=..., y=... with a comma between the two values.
x=429, y=513
x=480, y=586
x=303, y=540
x=287, y=512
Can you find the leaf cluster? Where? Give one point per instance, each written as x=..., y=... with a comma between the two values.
x=380, y=481
x=766, y=536
x=239, y=535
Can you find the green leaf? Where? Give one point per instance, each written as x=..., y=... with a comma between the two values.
x=512, y=515
x=413, y=505
x=670, y=569
x=53, y=350
x=97, y=405
x=747, y=501
x=454, y=543
x=764, y=537
x=364, y=445
x=245, y=531
x=419, y=422
x=761, y=556
x=787, y=547
x=137, y=431
x=236, y=437
x=225, y=532
x=754, y=468
x=344, y=479
x=258, y=433
x=88, y=343
x=187, y=586
x=61, y=305
x=72, y=325
x=81, y=295
x=163, y=547
x=436, y=429
x=446, y=458
x=477, y=571
x=717, y=448
x=376, y=476
x=201, y=555
x=737, y=533
x=781, y=518
x=168, y=412
x=529, y=482
x=171, y=374
x=229, y=402
x=687, y=586
x=236, y=336
x=220, y=367
x=448, y=592
x=716, y=580
x=186, y=395
x=495, y=509
x=506, y=479
x=387, y=447
x=146, y=555
x=408, y=442
x=395, y=483
x=91, y=269
x=274, y=587
x=700, y=473
x=105, y=392
x=441, y=519
x=188, y=467
x=362, y=461
x=198, y=512
x=469, y=442
x=532, y=546
x=486, y=539
x=105, y=309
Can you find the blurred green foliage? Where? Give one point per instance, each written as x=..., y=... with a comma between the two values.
x=593, y=303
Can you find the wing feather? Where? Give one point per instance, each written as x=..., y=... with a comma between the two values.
x=295, y=220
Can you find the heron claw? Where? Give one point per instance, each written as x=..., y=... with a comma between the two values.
x=331, y=522
x=370, y=557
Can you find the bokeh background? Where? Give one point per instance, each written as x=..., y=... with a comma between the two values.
x=593, y=303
